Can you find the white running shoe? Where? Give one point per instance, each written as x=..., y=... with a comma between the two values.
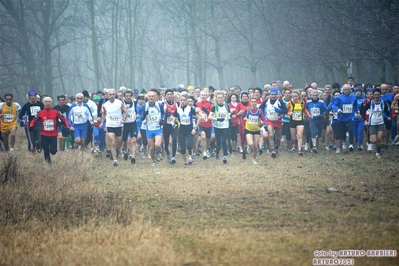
x=369, y=146
x=249, y=149
x=344, y=146
x=338, y=150
x=307, y=146
x=351, y=148
x=254, y=161
x=327, y=148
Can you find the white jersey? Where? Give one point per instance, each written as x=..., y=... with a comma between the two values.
x=113, y=113
x=131, y=112
x=79, y=114
x=271, y=113
x=376, y=113
x=154, y=116
x=221, y=112
x=93, y=108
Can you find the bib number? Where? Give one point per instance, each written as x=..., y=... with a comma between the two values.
x=315, y=111
x=8, y=118
x=297, y=116
x=48, y=125
x=347, y=108
x=253, y=120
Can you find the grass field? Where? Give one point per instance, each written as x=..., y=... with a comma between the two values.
x=81, y=210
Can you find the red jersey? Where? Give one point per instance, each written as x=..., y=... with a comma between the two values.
x=240, y=106
x=169, y=110
x=49, y=121
x=234, y=117
x=206, y=108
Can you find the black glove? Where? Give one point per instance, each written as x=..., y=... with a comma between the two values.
x=233, y=112
x=161, y=122
x=204, y=109
x=220, y=119
x=21, y=124
x=145, y=113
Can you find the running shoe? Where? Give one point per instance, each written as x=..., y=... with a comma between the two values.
x=307, y=146
x=314, y=150
x=115, y=163
x=132, y=160
x=125, y=156
x=168, y=157
x=261, y=150
x=158, y=156
x=378, y=155
x=300, y=153
x=327, y=148
x=38, y=146
x=369, y=146
x=224, y=159
x=338, y=150
x=360, y=148
x=206, y=156
x=273, y=154
x=351, y=147
x=249, y=149
x=172, y=160
x=190, y=161
x=186, y=165
x=254, y=161
x=344, y=146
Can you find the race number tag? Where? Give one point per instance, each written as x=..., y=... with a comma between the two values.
x=48, y=125
x=170, y=120
x=347, y=108
x=34, y=110
x=273, y=114
x=253, y=120
x=152, y=119
x=185, y=120
x=114, y=118
x=315, y=111
x=8, y=118
x=297, y=116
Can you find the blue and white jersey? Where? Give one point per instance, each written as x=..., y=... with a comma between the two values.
x=316, y=109
x=79, y=114
x=153, y=114
x=185, y=115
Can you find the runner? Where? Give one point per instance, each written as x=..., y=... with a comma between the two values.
x=232, y=141
x=115, y=113
x=274, y=108
x=49, y=118
x=220, y=117
x=379, y=112
x=63, y=131
x=317, y=110
x=29, y=112
x=129, y=128
x=205, y=125
x=358, y=121
x=169, y=128
x=153, y=117
x=186, y=115
x=297, y=111
x=253, y=117
x=9, y=112
x=78, y=116
x=240, y=109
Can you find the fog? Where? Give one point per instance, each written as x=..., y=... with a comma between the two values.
x=66, y=46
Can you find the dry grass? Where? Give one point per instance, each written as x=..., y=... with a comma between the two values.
x=81, y=210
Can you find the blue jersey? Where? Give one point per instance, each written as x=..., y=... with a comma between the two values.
x=345, y=104
x=316, y=109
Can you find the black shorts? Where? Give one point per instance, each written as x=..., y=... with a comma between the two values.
x=252, y=132
x=116, y=130
x=388, y=124
x=286, y=130
x=294, y=124
x=129, y=130
x=207, y=130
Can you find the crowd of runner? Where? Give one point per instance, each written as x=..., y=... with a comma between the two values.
x=206, y=122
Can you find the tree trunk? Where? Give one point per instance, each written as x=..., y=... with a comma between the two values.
x=94, y=47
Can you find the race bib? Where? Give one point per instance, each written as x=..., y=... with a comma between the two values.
x=253, y=120
x=48, y=125
x=222, y=115
x=8, y=118
x=34, y=110
x=273, y=114
x=185, y=120
x=170, y=120
x=347, y=108
x=114, y=118
x=315, y=111
x=152, y=119
x=297, y=116
x=377, y=114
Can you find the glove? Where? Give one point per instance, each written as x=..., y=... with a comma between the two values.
x=161, y=122
x=21, y=124
x=220, y=119
x=145, y=113
x=233, y=112
x=278, y=110
x=206, y=110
